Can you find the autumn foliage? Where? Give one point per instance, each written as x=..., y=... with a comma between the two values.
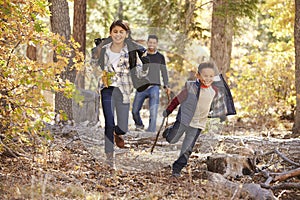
x=263, y=71
x=23, y=107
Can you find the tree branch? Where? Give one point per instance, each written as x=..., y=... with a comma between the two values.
x=285, y=175
x=282, y=186
x=11, y=153
x=12, y=52
x=285, y=158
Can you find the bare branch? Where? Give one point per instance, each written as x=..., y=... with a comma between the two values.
x=12, y=52
x=282, y=186
x=11, y=153
x=202, y=5
x=286, y=186
x=285, y=158
x=285, y=175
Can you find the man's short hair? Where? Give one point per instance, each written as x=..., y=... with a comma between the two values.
x=152, y=37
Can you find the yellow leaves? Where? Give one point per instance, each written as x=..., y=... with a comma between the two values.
x=279, y=17
x=38, y=6
x=266, y=83
x=22, y=104
x=76, y=167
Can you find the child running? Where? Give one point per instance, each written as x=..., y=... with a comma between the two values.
x=199, y=99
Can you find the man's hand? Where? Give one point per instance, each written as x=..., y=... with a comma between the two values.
x=168, y=91
x=223, y=118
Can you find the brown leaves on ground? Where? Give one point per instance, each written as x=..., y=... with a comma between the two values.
x=76, y=175
x=69, y=171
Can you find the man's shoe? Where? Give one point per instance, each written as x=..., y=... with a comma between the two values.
x=119, y=141
x=139, y=127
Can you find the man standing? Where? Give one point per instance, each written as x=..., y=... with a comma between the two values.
x=157, y=68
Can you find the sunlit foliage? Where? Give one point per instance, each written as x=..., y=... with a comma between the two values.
x=263, y=76
x=23, y=107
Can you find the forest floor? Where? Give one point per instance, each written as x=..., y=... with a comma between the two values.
x=68, y=167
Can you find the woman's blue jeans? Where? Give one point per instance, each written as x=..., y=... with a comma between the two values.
x=153, y=94
x=112, y=100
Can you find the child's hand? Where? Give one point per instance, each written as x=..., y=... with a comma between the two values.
x=106, y=78
x=109, y=77
x=165, y=113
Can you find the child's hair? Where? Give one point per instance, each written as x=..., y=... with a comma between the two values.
x=121, y=23
x=204, y=65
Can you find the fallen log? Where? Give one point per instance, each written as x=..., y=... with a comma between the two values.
x=230, y=165
x=282, y=186
x=285, y=175
x=253, y=191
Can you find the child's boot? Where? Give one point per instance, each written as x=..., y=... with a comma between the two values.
x=176, y=173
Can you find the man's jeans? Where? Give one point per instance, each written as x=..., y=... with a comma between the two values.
x=173, y=134
x=153, y=94
x=111, y=99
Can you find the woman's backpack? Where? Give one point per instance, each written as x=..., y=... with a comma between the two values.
x=139, y=77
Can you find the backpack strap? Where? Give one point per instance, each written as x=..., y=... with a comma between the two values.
x=131, y=54
x=101, y=59
x=132, y=59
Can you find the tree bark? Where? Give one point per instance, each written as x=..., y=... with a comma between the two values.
x=60, y=20
x=79, y=28
x=79, y=34
x=285, y=175
x=221, y=36
x=296, y=129
x=60, y=24
x=120, y=10
x=31, y=52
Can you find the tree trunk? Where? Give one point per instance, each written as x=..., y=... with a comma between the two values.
x=79, y=28
x=60, y=24
x=60, y=20
x=120, y=10
x=31, y=52
x=79, y=34
x=296, y=129
x=221, y=36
